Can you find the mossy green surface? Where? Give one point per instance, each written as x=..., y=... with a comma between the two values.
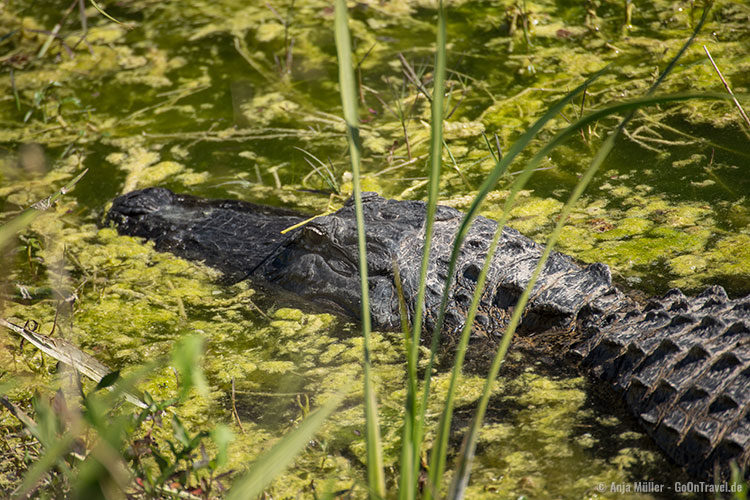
x=203, y=97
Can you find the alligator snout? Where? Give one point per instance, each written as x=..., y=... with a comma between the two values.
x=134, y=213
x=141, y=202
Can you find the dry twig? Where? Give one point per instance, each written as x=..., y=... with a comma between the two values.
x=66, y=352
x=726, y=86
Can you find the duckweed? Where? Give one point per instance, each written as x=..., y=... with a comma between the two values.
x=199, y=98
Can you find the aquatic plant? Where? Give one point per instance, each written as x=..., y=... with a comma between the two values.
x=412, y=441
x=157, y=300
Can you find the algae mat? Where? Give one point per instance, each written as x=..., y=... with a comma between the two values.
x=239, y=99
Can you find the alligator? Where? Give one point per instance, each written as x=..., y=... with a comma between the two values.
x=682, y=364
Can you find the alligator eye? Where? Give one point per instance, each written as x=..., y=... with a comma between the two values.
x=315, y=239
x=340, y=267
x=314, y=230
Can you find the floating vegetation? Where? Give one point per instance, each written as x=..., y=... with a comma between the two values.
x=230, y=99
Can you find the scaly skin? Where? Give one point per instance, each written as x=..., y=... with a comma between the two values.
x=683, y=364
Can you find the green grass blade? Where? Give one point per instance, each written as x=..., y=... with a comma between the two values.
x=375, y=476
x=321, y=169
x=466, y=456
x=437, y=460
x=526, y=173
x=441, y=440
x=278, y=458
x=489, y=147
x=411, y=445
x=485, y=188
x=463, y=470
x=103, y=12
x=10, y=228
x=408, y=468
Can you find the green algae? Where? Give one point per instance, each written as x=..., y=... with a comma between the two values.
x=547, y=418
x=288, y=358
x=131, y=311
x=533, y=213
x=168, y=109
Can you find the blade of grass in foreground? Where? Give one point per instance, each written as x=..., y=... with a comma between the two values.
x=439, y=450
x=375, y=476
x=484, y=189
x=276, y=460
x=10, y=228
x=411, y=445
x=565, y=134
x=52, y=456
x=465, y=459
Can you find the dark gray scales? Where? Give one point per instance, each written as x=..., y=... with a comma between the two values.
x=232, y=236
x=681, y=363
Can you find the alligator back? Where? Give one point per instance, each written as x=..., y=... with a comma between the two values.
x=683, y=366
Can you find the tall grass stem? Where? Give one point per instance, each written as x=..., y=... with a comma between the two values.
x=375, y=475
x=439, y=449
x=414, y=423
x=463, y=470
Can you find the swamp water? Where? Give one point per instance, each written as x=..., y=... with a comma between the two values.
x=239, y=99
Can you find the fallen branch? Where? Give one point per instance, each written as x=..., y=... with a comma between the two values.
x=68, y=353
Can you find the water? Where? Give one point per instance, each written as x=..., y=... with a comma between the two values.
x=199, y=98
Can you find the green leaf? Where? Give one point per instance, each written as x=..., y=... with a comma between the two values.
x=179, y=432
x=186, y=357
x=160, y=460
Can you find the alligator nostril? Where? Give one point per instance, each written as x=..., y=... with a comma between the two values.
x=471, y=272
